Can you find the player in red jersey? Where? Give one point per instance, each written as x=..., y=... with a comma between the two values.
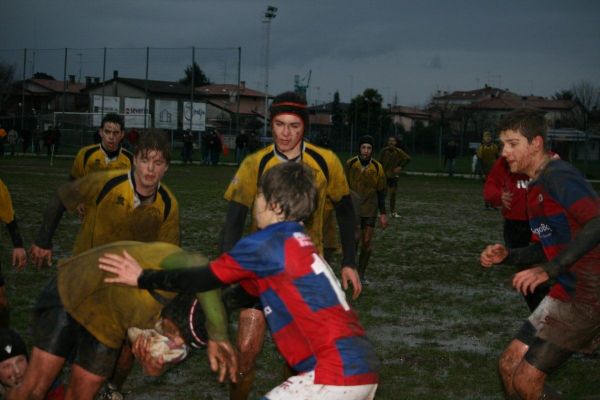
x=564, y=213
x=508, y=191
x=311, y=323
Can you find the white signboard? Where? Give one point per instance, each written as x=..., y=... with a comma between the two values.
x=111, y=105
x=134, y=113
x=165, y=114
x=197, y=115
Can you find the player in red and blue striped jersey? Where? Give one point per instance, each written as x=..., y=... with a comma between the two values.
x=313, y=326
x=564, y=213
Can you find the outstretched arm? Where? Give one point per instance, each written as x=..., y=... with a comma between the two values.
x=19, y=256
x=41, y=249
x=344, y=212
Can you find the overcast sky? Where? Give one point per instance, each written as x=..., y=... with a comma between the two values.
x=405, y=49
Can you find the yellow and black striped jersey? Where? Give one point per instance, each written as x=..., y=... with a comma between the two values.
x=113, y=211
x=392, y=157
x=93, y=158
x=366, y=181
x=329, y=176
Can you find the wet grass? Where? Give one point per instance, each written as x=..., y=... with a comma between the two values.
x=438, y=321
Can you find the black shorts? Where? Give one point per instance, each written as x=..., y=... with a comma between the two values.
x=56, y=332
x=367, y=221
x=2, y=282
x=543, y=355
x=392, y=182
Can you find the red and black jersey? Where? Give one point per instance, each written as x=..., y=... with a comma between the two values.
x=560, y=203
x=499, y=179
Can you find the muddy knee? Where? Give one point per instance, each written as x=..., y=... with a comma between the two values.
x=251, y=334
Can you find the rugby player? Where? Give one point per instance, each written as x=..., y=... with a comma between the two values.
x=393, y=160
x=120, y=205
x=289, y=119
x=311, y=323
x=78, y=315
x=19, y=256
x=366, y=177
x=564, y=212
x=108, y=154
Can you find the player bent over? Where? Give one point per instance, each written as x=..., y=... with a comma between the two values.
x=80, y=315
x=564, y=212
x=313, y=326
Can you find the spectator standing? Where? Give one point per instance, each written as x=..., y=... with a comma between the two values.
x=450, y=153
x=3, y=135
x=241, y=147
x=188, y=146
x=13, y=140
x=487, y=152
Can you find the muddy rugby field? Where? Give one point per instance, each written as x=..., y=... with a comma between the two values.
x=437, y=319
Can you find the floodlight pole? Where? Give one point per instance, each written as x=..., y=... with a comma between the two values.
x=269, y=15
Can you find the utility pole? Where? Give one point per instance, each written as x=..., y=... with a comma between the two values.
x=269, y=15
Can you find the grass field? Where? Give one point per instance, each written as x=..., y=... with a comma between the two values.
x=437, y=319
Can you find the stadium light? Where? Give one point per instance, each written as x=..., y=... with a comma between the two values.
x=269, y=15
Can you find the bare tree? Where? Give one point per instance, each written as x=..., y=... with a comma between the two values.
x=587, y=97
x=7, y=74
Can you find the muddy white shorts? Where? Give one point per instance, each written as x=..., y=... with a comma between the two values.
x=303, y=387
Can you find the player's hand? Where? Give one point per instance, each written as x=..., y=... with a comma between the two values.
x=383, y=220
x=350, y=274
x=493, y=254
x=40, y=257
x=125, y=268
x=397, y=170
x=527, y=280
x=80, y=209
x=19, y=258
x=506, y=198
x=223, y=359
x=141, y=350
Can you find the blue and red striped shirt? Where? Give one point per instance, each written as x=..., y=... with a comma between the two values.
x=310, y=320
x=560, y=202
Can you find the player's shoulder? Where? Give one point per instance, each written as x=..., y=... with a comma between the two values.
x=322, y=156
x=127, y=154
x=165, y=191
x=351, y=160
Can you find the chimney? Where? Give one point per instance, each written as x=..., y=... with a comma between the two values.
x=115, y=74
x=71, y=78
x=88, y=81
x=242, y=85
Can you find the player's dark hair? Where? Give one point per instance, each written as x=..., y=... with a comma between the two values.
x=186, y=312
x=115, y=119
x=153, y=139
x=530, y=123
x=290, y=186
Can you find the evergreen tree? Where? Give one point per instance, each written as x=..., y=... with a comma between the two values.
x=200, y=79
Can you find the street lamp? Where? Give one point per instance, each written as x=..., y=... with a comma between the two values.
x=269, y=15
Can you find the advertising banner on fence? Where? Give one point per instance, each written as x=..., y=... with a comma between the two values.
x=165, y=114
x=134, y=113
x=111, y=105
x=197, y=115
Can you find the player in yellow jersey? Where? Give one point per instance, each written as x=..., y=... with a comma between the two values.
x=108, y=154
x=366, y=177
x=120, y=205
x=80, y=316
x=19, y=256
x=393, y=160
x=289, y=119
